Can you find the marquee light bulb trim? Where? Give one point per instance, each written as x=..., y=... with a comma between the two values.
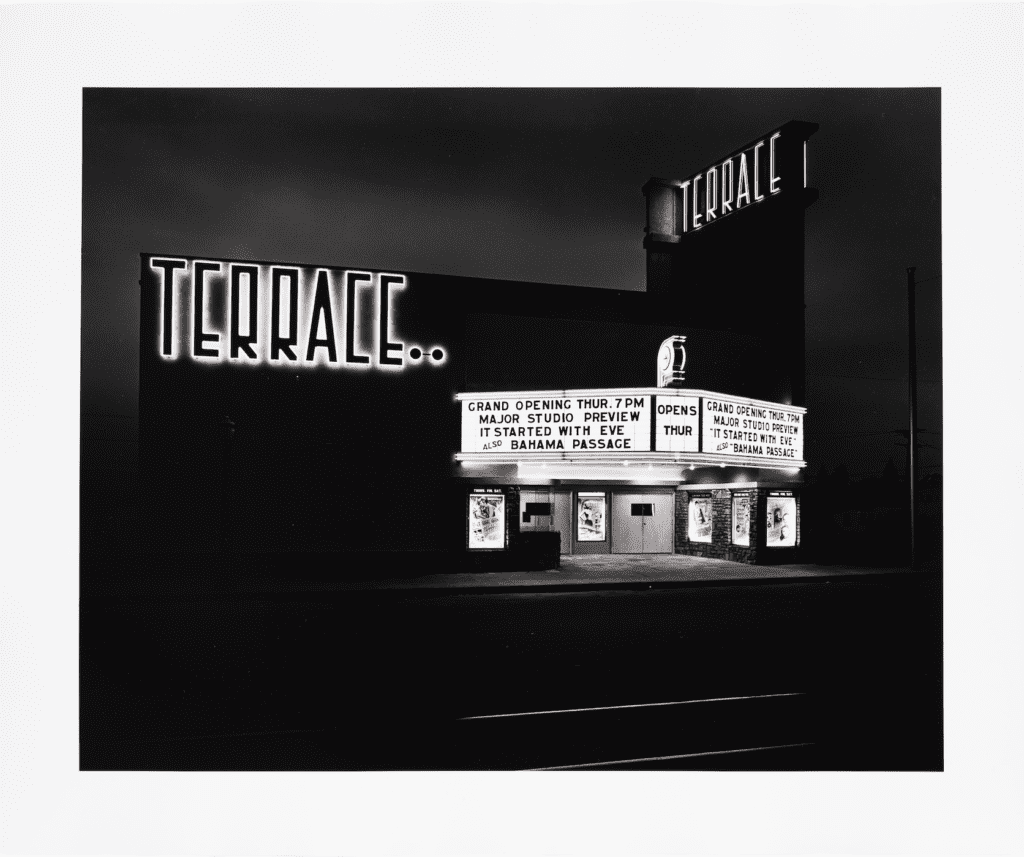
x=614, y=461
x=622, y=423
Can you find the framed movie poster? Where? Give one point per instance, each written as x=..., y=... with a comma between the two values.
x=741, y=519
x=486, y=521
x=700, y=519
x=781, y=531
x=590, y=516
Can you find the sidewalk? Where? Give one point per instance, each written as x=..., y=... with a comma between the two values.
x=599, y=572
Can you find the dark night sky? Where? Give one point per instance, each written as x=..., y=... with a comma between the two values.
x=528, y=186
x=533, y=185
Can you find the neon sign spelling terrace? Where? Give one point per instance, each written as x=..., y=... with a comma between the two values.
x=774, y=165
x=282, y=315
x=737, y=181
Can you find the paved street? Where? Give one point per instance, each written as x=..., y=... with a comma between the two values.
x=830, y=673
x=393, y=573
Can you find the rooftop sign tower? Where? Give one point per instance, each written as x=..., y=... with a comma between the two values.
x=725, y=245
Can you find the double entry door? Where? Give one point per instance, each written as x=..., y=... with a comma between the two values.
x=642, y=522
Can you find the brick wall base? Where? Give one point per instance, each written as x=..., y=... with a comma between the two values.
x=721, y=546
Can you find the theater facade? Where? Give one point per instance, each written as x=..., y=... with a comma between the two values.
x=339, y=412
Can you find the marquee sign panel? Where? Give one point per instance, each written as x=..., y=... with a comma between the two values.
x=596, y=425
x=612, y=421
x=761, y=429
x=676, y=424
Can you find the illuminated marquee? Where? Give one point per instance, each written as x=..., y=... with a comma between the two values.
x=557, y=423
x=281, y=315
x=676, y=421
x=750, y=428
x=631, y=424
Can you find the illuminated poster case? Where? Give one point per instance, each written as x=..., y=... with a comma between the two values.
x=700, y=520
x=486, y=520
x=781, y=523
x=591, y=516
x=741, y=520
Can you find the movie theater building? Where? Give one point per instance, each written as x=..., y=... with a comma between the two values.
x=338, y=413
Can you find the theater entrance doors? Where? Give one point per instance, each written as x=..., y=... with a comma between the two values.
x=642, y=522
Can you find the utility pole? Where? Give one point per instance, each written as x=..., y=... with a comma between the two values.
x=912, y=440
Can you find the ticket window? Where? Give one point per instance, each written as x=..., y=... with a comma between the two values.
x=547, y=511
x=535, y=512
x=537, y=516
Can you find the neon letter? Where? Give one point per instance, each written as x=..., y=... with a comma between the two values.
x=710, y=198
x=772, y=178
x=283, y=344
x=696, y=203
x=743, y=184
x=240, y=341
x=727, y=186
x=321, y=307
x=353, y=279
x=169, y=266
x=383, y=313
x=686, y=226
x=757, y=174
x=199, y=335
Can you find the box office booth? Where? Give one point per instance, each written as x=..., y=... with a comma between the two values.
x=334, y=411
